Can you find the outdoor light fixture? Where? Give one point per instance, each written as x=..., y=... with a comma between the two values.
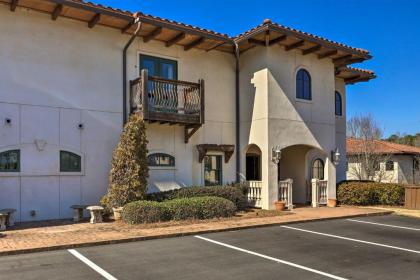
x=80, y=126
x=276, y=154
x=335, y=156
x=8, y=121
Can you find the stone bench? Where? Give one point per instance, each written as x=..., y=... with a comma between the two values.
x=95, y=214
x=10, y=219
x=78, y=212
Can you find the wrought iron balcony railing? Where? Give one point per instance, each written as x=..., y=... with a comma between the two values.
x=167, y=101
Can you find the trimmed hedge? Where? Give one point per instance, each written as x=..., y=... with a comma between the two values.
x=233, y=193
x=370, y=193
x=206, y=207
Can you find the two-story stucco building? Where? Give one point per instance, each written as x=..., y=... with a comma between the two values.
x=264, y=106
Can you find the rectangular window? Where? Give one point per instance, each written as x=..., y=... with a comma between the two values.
x=213, y=170
x=70, y=162
x=10, y=161
x=389, y=165
x=159, y=67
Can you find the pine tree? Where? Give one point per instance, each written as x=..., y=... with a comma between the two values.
x=129, y=171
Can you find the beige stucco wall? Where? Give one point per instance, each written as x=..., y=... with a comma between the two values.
x=57, y=74
x=217, y=70
x=340, y=130
x=271, y=115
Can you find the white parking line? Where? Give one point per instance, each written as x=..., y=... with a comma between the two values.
x=92, y=265
x=384, y=225
x=354, y=240
x=271, y=258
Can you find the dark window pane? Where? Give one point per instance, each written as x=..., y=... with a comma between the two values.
x=303, y=85
x=213, y=170
x=10, y=161
x=389, y=165
x=70, y=162
x=318, y=169
x=160, y=159
x=338, y=104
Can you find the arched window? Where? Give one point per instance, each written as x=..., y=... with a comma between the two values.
x=303, y=85
x=338, y=104
x=10, y=161
x=389, y=165
x=70, y=162
x=318, y=169
x=160, y=159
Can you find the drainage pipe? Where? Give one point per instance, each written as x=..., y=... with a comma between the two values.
x=237, y=109
x=137, y=20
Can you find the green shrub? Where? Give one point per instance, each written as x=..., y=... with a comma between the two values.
x=206, y=207
x=232, y=193
x=144, y=211
x=370, y=193
x=129, y=171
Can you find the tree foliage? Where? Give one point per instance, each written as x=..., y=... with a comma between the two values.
x=129, y=171
x=405, y=139
x=366, y=161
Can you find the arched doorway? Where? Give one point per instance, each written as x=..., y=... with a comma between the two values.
x=253, y=163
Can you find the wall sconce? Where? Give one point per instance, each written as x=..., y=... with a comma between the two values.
x=80, y=126
x=335, y=156
x=276, y=154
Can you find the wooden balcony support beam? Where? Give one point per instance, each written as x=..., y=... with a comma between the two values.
x=267, y=38
x=194, y=43
x=342, y=58
x=57, y=11
x=95, y=19
x=189, y=132
x=295, y=45
x=256, y=42
x=175, y=39
x=152, y=34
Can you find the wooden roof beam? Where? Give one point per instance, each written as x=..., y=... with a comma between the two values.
x=327, y=54
x=194, y=43
x=311, y=50
x=342, y=58
x=152, y=34
x=175, y=39
x=96, y=18
x=295, y=45
x=216, y=46
x=57, y=11
x=278, y=40
x=13, y=5
x=128, y=26
x=256, y=42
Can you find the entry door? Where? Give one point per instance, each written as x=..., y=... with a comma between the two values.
x=253, y=168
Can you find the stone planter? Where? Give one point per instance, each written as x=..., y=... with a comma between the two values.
x=117, y=213
x=332, y=203
x=280, y=205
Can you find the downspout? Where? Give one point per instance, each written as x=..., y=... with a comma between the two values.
x=137, y=20
x=237, y=108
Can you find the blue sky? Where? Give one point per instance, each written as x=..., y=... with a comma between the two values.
x=389, y=29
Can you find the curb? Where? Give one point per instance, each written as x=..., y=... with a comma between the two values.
x=182, y=234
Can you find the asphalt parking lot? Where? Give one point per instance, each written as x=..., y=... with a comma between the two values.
x=383, y=247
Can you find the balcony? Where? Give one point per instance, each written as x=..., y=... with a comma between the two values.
x=167, y=101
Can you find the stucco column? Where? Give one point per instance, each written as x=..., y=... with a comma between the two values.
x=270, y=186
x=331, y=173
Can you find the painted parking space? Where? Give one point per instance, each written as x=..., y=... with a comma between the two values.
x=45, y=265
x=316, y=250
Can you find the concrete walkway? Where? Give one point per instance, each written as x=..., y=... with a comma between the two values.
x=43, y=237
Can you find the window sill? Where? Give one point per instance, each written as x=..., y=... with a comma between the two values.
x=304, y=101
x=172, y=168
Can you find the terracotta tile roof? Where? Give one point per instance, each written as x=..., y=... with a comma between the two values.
x=109, y=8
x=354, y=146
x=354, y=69
x=268, y=23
